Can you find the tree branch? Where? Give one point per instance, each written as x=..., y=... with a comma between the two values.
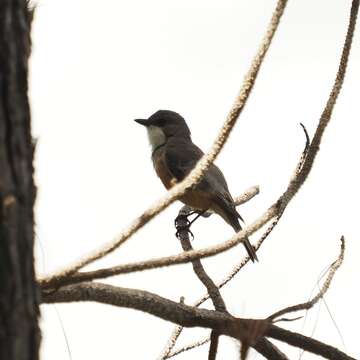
x=213, y=291
x=186, y=348
x=178, y=329
x=247, y=331
x=309, y=304
x=182, y=258
x=156, y=305
x=269, y=350
x=214, y=343
x=263, y=347
x=306, y=343
x=298, y=180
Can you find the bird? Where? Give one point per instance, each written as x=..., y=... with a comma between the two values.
x=174, y=155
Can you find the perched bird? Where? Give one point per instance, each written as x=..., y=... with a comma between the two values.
x=174, y=155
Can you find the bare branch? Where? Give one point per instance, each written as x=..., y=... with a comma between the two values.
x=196, y=174
x=178, y=329
x=198, y=268
x=247, y=195
x=298, y=180
x=219, y=303
x=182, y=258
x=269, y=350
x=247, y=331
x=150, y=303
x=307, y=343
x=214, y=343
x=187, y=348
x=241, y=264
x=166, y=353
x=83, y=276
x=263, y=347
x=309, y=304
x=239, y=200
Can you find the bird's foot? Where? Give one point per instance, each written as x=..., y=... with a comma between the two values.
x=182, y=224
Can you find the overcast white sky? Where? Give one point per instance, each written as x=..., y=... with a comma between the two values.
x=98, y=65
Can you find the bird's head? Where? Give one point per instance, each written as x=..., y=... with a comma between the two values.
x=164, y=124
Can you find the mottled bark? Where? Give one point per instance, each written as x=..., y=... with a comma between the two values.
x=19, y=300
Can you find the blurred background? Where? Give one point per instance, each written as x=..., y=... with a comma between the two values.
x=96, y=66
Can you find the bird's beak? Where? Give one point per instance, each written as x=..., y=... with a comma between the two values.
x=142, y=122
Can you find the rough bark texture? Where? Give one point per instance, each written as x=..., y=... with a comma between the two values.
x=19, y=300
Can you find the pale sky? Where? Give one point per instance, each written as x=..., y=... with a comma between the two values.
x=96, y=66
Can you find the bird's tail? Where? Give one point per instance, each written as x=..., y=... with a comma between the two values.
x=249, y=248
x=231, y=216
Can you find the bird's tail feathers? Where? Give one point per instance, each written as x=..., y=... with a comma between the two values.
x=231, y=216
x=249, y=248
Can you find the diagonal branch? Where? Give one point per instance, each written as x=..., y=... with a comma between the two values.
x=182, y=258
x=309, y=304
x=298, y=181
x=269, y=350
x=263, y=347
x=186, y=348
x=307, y=343
x=195, y=175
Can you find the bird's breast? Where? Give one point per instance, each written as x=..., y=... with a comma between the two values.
x=162, y=170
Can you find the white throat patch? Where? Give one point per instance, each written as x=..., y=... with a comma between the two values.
x=156, y=136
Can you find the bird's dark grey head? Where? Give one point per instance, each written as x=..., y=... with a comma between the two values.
x=170, y=122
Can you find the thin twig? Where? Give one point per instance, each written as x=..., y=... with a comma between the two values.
x=167, y=351
x=196, y=174
x=309, y=304
x=187, y=348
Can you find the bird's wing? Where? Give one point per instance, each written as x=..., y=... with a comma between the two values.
x=214, y=181
x=181, y=157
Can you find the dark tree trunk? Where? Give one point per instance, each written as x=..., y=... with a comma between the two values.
x=19, y=303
